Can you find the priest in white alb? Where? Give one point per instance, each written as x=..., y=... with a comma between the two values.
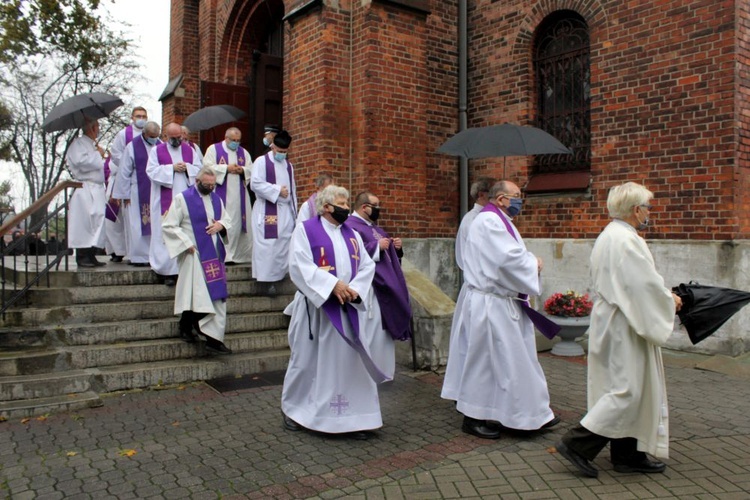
x=194, y=232
x=233, y=167
x=172, y=167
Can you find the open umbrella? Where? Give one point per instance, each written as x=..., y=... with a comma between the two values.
x=212, y=116
x=502, y=140
x=72, y=112
x=706, y=308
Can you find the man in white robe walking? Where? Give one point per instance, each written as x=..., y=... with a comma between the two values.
x=172, y=167
x=274, y=212
x=497, y=381
x=85, y=159
x=331, y=383
x=633, y=315
x=133, y=190
x=194, y=230
x=479, y=191
x=233, y=167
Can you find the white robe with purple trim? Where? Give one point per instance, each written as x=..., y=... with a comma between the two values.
x=191, y=292
x=117, y=240
x=327, y=387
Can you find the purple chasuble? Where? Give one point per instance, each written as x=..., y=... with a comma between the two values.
x=321, y=247
x=222, y=158
x=271, y=221
x=212, y=258
x=389, y=282
x=112, y=208
x=547, y=327
x=140, y=160
x=164, y=158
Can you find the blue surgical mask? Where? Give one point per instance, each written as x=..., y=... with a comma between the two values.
x=151, y=140
x=140, y=123
x=233, y=145
x=279, y=156
x=515, y=206
x=266, y=142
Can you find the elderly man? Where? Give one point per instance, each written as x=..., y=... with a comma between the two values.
x=186, y=139
x=274, y=212
x=308, y=210
x=194, y=231
x=232, y=165
x=633, y=316
x=497, y=380
x=479, y=191
x=133, y=189
x=331, y=381
x=172, y=167
x=85, y=159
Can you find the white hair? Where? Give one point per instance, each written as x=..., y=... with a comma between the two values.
x=328, y=195
x=205, y=171
x=621, y=199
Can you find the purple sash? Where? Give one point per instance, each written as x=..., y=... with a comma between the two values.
x=164, y=158
x=222, y=158
x=389, y=282
x=212, y=259
x=271, y=221
x=140, y=160
x=322, y=253
x=547, y=327
x=112, y=208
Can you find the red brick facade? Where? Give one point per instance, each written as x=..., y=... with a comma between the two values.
x=370, y=93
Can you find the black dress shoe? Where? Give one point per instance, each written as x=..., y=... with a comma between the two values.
x=290, y=424
x=551, y=423
x=188, y=336
x=644, y=465
x=138, y=264
x=230, y=263
x=360, y=435
x=215, y=347
x=480, y=428
x=170, y=281
x=116, y=258
x=85, y=263
x=581, y=463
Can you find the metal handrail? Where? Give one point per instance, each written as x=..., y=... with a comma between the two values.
x=23, y=280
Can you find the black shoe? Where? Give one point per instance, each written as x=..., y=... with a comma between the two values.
x=480, y=428
x=581, y=463
x=551, y=423
x=290, y=424
x=116, y=258
x=215, y=347
x=230, y=263
x=188, y=336
x=138, y=264
x=83, y=262
x=170, y=281
x=271, y=290
x=644, y=465
x=360, y=435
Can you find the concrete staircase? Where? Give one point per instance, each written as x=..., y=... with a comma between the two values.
x=112, y=328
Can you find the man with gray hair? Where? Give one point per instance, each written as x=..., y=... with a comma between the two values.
x=85, y=160
x=133, y=189
x=195, y=229
x=308, y=210
x=233, y=167
x=480, y=190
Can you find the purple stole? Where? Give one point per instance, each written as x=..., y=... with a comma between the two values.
x=311, y=204
x=140, y=160
x=128, y=134
x=112, y=208
x=322, y=253
x=547, y=327
x=222, y=158
x=271, y=221
x=212, y=259
x=164, y=158
x=389, y=282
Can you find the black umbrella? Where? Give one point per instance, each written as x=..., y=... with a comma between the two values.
x=502, y=140
x=706, y=308
x=212, y=116
x=73, y=112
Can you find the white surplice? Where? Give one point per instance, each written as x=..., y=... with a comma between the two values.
x=633, y=316
x=191, y=291
x=164, y=175
x=86, y=212
x=327, y=387
x=306, y=211
x=271, y=256
x=463, y=233
x=240, y=246
x=496, y=375
x=116, y=232
x=126, y=188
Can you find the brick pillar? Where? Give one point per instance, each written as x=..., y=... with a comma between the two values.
x=183, y=59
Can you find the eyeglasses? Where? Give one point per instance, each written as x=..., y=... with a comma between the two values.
x=371, y=205
x=647, y=207
x=517, y=195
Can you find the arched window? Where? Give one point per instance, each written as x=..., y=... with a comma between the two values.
x=562, y=71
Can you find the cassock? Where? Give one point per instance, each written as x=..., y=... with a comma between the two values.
x=133, y=184
x=331, y=382
x=308, y=209
x=203, y=270
x=633, y=315
x=86, y=212
x=496, y=375
x=115, y=223
x=165, y=183
x=273, y=217
x=233, y=191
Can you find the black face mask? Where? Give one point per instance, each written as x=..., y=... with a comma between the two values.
x=339, y=214
x=375, y=213
x=203, y=189
x=175, y=141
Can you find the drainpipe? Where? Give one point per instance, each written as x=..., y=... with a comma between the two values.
x=463, y=165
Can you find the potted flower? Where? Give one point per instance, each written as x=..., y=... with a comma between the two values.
x=571, y=311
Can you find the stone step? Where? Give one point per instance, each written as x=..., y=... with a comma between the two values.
x=45, y=385
x=147, y=310
x=54, y=404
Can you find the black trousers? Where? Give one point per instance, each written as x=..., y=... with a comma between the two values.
x=189, y=320
x=588, y=445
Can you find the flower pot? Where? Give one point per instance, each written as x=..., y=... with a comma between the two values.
x=570, y=330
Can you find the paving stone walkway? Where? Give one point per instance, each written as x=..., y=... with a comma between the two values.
x=193, y=442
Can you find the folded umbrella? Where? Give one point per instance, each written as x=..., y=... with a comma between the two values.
x=73, y=112
x=212, y=116
x=706, y=308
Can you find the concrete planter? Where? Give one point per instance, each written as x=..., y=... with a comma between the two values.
x=571, y=329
